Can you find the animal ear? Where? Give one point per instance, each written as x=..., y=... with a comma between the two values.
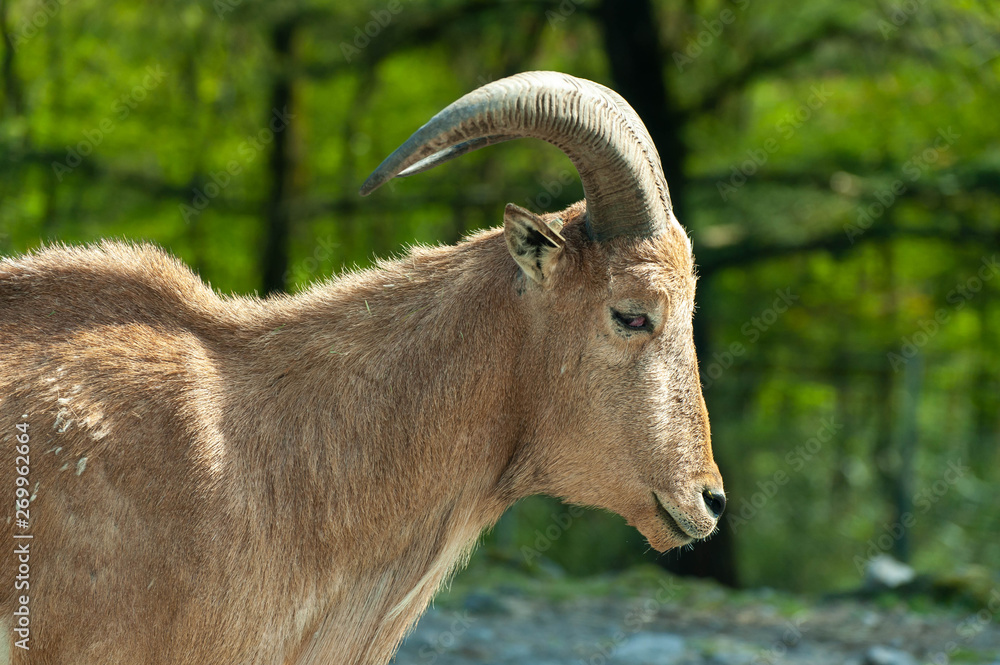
x=535, y=245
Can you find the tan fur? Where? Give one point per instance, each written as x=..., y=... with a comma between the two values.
x=234, y=480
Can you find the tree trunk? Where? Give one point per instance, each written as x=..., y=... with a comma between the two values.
x=984, y=449
x=902, y=489
x=277, y=213
x=12, y=89
x=635, y=55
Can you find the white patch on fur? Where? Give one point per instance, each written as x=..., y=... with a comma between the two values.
x=81, y=465
x=305, y=613
x=453, y=555
x=415, y=591
x=208, y=447
x=62, y=421
x=212, y=457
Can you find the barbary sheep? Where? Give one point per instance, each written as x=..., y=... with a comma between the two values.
x=203, y=479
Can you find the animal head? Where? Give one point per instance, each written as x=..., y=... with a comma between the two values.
x=606, y=290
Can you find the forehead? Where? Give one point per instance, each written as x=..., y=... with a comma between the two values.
x=661, y=265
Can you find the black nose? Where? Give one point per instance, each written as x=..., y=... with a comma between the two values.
x=715, y=501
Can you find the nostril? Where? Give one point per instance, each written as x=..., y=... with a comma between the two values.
x=715, y=501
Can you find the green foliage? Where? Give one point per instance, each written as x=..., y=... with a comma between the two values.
x=812, y=170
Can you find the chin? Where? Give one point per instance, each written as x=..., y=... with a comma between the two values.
x=663, y=533
x=664, y=541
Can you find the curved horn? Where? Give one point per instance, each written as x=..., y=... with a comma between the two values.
x=608, y=144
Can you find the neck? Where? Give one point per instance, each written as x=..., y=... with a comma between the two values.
x=397, y=414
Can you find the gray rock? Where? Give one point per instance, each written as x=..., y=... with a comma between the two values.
x=648, y=648
x=515, y=653
x=879, y=655
x=728, y=651
x=884, y=572
x=480, y=634
x=729, y=658
x=479, y=602
x=551, y=569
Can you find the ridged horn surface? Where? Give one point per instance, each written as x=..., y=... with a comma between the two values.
x=601, y=134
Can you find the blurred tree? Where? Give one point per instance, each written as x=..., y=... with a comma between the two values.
x=835, y=162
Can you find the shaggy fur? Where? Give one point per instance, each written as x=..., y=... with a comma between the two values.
x=223, y=480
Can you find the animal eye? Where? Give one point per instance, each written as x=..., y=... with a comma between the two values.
x=632, y=321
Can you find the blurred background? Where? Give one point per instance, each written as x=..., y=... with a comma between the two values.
x=836, y=162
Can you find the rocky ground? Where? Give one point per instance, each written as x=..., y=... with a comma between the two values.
x=646, y=617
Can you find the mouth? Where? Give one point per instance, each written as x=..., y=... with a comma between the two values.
x=671, y=524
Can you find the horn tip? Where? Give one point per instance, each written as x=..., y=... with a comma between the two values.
x=370, y=185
